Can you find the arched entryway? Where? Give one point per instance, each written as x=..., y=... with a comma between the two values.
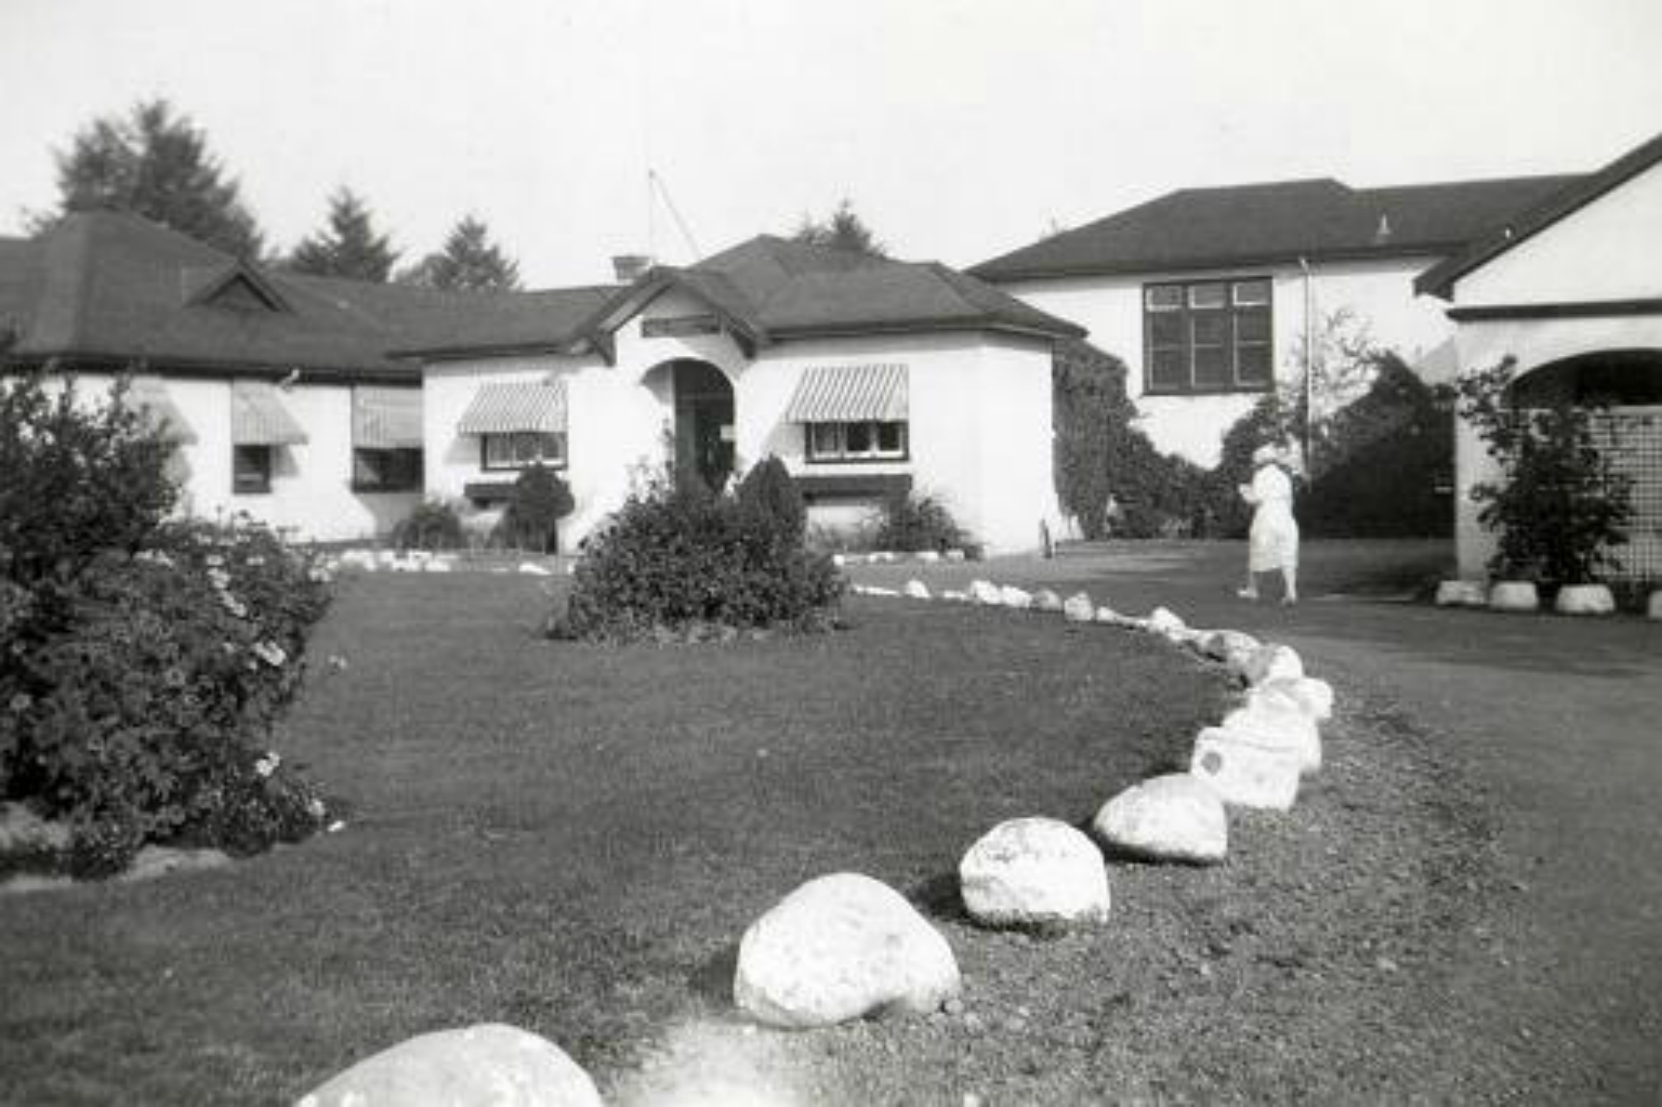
x=702, y=397
x=1625, y=389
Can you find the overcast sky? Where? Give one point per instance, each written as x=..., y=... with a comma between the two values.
x=959, y=129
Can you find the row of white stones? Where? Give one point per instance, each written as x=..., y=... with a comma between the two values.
x=1522, y=595
x=844, y=946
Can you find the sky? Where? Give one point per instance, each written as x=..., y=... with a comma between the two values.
x=959, y=129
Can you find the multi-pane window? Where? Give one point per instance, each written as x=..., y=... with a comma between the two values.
x=250, y=469
x=522, y=448
x=386, y=470
x=873, y=441
x=1207, y=336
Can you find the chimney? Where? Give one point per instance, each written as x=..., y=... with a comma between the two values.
x=629, y=267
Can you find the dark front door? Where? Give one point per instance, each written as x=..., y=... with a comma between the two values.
x=703, y=422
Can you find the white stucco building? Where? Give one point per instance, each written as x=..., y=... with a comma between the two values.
x=863, y=375
x=1571, y=292
x=1210, y=295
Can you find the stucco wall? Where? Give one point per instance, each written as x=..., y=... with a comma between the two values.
x=1379, y=293
x=311, y=493
x=1604, y=251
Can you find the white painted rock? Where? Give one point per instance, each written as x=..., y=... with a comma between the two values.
x=1278, y=725
x=437, y=567
x=1110, y=616
x=873, y=590
x=1245, y=774
x=1313, y=697
x=1078, y=608
x=1011, y=596
x=1268, y=662
x=1514, y=595
x=1046, y=600
x=985, y=591
x=1034, y=872
x=1226, y=645
x=917, y=590
x=838, y=948
x=1176, y=817
x=531, y=569
x=1585, y=599
x=1462, y=593
x=360, y=559
x=1653, y=606
x=489, y=1065
x=928, y=557
x=955, y=596
x=386, y=557
x=954, y=555
x=1163, y=620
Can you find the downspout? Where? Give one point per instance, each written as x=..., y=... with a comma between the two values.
x=1309, y=366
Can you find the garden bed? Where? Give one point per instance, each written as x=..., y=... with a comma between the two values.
x=570, y=838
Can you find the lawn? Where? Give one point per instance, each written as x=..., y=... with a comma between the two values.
x=570, y=838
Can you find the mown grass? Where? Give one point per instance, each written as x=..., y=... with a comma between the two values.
x=564, y=837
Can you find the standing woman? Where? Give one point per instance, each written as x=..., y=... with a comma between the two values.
x=1273, y=541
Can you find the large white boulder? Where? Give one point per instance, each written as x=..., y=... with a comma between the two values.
x=1078, y=608
x=1514, y=595
x=917, y=590
x=1162, y=620
x=1046, y=600
x=985, y=591
x=1176, y=817
x=1245, y=773
x=1227, y=645
x=1268, y=662
x=838, y=948
x=1313, y=697
x=1585, y=599
x=489, y=1065
x=1011, y=596
x=1462, y=593
x=1034, y=872
x=1278, y=725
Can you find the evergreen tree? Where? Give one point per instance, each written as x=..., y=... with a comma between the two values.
x=350, y=247
x=469, y=262
x=844, y=230
x=155, y=164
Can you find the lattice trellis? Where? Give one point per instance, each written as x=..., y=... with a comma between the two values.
x=1631, y=437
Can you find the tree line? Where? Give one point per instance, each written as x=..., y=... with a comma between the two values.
x=155, y=162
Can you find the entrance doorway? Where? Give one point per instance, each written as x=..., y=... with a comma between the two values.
x=704, y=431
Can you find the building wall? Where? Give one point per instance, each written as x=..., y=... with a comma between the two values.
x=979, y=432
x=1604, y=251
x=1379, y=293
x=311, y=493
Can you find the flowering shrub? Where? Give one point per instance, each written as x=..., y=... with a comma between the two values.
x=141, y=663
x=678, y=558
x=431, y=525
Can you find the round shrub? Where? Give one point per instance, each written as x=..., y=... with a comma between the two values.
x=676, y=558
x=431, y=525
x=540, y=500
x=768, y=496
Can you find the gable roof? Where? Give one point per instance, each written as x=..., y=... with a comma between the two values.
x=111, y=286
x=1256, y=224
x=770, y=289
x=1574, y=195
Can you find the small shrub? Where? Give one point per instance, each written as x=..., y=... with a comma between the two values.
x=1559, y=509
x=675, y=557
x=768, y=496
x=908, y=523
x=541, y=499
x=431, y=525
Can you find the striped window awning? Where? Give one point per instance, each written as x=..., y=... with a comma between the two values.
x=386, y=418
x=503, y=408
x=148, y=397
x=258, y=417
x=850, y=394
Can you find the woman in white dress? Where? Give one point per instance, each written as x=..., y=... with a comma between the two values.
x=1273, y=541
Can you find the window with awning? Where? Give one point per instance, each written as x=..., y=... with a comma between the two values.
x=148, y=397
x=518, y=423
x=852, y=412
x=386, y=439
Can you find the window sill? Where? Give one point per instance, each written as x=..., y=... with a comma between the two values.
x=371, y=489
x=1233, y=390
x=557, y=468
x=896, y=459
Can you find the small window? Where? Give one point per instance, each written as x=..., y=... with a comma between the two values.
x=1252, y=293
x=387, y=470
x=1207, y=296
x=863, y=441
x=1208, y=336
x=516, y=451
x=1165, y=297
x=250, y=470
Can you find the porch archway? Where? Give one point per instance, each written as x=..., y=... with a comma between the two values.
x=701, y=398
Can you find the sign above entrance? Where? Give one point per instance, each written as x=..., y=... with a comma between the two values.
x=678, y=326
